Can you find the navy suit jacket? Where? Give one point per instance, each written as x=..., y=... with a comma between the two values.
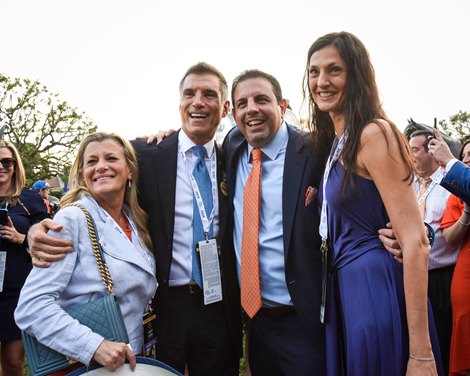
x=157, y=192
x=457, y=181
x=300, y=223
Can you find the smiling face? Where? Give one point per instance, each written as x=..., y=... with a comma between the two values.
x=201, y=107
x=6, y=173
x=105, y=170
x=256, y=111
x=327, y=77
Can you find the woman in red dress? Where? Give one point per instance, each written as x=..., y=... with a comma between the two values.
x=456, y=225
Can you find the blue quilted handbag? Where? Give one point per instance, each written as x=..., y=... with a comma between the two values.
x=102, y=316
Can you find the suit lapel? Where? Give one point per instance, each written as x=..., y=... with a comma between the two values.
x=294, y=167
x=165, y=158
x=222, y=198
x=235, y=147
x=117, y=246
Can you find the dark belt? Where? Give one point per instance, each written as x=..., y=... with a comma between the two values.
x=278, y=311
x=192, y=288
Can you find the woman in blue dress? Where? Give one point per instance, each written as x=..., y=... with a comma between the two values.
x=376, y=318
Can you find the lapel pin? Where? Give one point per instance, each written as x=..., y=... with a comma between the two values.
x=224, y=188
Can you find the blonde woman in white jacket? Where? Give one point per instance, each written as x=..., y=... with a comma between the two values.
x=103, y=180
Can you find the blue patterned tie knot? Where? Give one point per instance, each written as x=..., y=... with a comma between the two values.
x=202, y=178
x=199, y=150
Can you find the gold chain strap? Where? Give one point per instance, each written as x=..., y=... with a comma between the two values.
x=102, y=267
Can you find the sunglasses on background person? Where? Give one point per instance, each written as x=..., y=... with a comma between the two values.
x=7, y=162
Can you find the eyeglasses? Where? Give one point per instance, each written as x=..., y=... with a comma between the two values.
x=7, y=162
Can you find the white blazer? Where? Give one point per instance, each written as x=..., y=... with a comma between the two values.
x=76, y=279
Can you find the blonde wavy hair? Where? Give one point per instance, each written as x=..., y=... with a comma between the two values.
x=78, y=187
x=19, y=178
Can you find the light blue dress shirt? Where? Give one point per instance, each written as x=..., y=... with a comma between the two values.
x=271, y=246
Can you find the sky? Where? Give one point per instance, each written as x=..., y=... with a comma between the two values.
x=120, y=62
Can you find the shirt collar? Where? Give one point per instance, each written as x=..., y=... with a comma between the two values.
x=273, y=147
x=185, y=144
x=435, y=175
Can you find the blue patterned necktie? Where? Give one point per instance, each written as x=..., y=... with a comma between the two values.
x=201, y=175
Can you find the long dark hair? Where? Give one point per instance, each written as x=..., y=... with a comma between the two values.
x=361, y=105
x=465, y=143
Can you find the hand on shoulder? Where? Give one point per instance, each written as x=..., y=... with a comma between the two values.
x=44, y=248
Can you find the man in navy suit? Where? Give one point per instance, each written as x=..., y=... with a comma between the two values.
x=285, y=335
x=457, y=181
x=457, y=178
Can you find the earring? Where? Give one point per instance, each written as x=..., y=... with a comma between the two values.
x=129, y=183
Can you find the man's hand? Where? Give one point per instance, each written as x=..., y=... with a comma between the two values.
x=439, y=148
x=45, y=248
x=160, y=136
x=387, y=237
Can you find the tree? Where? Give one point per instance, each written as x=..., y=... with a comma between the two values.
x=44, y=129
x=458, y=125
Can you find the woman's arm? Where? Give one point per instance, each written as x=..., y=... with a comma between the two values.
x=379, y=159
x=455, y=221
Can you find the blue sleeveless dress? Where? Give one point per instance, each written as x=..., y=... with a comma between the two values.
x=366, y=326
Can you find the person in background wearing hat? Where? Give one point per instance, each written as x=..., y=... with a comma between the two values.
x=42, y=187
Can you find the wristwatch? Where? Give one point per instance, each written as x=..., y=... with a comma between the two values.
x=431, y=234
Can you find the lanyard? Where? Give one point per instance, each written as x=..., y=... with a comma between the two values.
x=438, y=177
x=335, y=152
x=428, y=191
x=206, y=221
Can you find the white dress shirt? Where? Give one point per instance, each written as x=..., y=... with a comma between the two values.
x=181, y=265
x=441, y=254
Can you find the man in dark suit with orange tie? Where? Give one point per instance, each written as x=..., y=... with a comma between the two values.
x=283, y=309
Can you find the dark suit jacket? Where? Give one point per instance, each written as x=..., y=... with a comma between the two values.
x=300, y=222
x=457, y=181
x=157, y=190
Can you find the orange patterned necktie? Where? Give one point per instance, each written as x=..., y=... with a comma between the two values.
x=250, y=285
x=424, y=184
